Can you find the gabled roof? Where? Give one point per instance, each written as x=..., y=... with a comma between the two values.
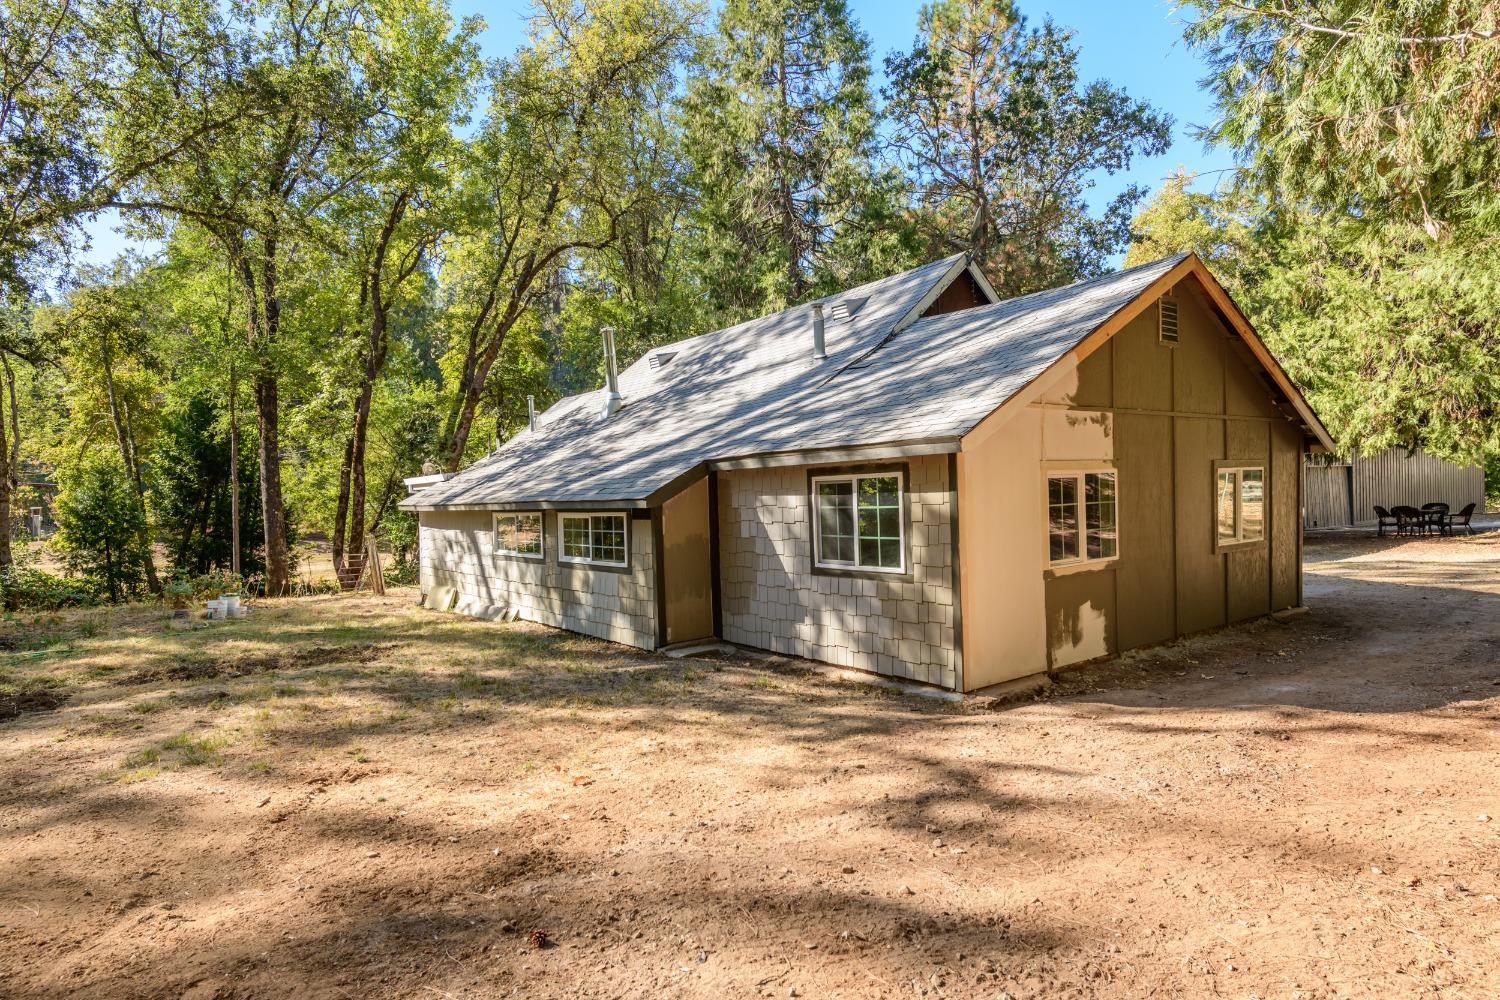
x=893, y=377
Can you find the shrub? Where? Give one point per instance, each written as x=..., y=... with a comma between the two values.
x=26, y=589
x=403, y=573
x=207, y=586
x=100, y=528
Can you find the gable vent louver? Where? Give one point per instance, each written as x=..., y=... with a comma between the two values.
x=1167, y=320
x=659, y=361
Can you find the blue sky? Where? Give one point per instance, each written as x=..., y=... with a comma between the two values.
x=1134, y=44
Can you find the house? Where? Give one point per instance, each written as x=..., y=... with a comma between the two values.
x=909, y=478
x=1343, y=492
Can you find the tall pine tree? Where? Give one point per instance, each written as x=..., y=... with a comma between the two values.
x=1003, y=142
x=780, y=131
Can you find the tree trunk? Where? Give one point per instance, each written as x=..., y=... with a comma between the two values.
x=377, y=346
x=455, y=457
x=234, y=473
x=789, y=221
x=278, y=570
x=341, y=509
x=7, y=478
x=15, y=423
x=471, y=389
x=119, y=416
x=268, y=423
x=357, y=459
x=109, y=574
x=484, y=347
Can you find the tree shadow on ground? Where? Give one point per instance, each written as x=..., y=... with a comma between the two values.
x=421, y=810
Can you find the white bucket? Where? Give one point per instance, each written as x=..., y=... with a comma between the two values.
x=231, y=605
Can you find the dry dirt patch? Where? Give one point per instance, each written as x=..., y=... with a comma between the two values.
x=236, y=666
x=474, y=810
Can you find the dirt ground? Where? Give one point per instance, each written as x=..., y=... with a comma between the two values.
x=348, y=797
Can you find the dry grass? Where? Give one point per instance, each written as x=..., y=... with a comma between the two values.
x=368, y=800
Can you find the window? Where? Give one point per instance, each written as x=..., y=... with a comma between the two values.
x=860, y=522
x=518, y=535
x=594, y=538
x=1081, y=517
x=1239, y=505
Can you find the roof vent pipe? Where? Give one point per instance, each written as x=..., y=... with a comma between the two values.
x=820, y=349
x=531, y=413
x=611, y=373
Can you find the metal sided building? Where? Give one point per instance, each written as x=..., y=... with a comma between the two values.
x=1343, y=492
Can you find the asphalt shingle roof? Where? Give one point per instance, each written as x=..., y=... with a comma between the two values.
x=754, y=389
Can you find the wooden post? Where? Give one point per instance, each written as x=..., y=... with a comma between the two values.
x=372, y=570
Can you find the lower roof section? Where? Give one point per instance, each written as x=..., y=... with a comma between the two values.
x=816, y=456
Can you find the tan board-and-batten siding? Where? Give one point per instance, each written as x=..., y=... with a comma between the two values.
x=457, y=550
x=1344, y=494
x=1163, y=418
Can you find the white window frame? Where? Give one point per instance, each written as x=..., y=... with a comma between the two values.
x=1078, y=474
x=540, y=554
x=853, y=479
x=562, y=528
x=1239, y=538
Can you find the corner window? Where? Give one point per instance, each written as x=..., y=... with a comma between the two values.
x=518, y=535
x=594, y=538
x=1081, y=517
x=1239, y=504
x=859, y=522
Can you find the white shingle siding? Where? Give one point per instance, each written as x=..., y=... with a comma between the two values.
x=457, y=551
x=772, y=599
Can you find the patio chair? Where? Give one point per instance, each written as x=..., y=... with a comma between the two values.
x=1385, y=519
x=1461, y=519
x=1409, y=520
x=1437, y=516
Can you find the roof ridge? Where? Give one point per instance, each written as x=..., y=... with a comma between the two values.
x=1096, y=279
x=1006, y=305
x=753, y=394
x=798, y=306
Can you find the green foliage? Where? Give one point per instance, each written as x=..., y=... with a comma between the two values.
x=1381, y=109
x=1395, y=337
x=100, y=528
x=206, y=586
x=356, y=279
x=780, y=135
x=61, y=66
x=1371, y=192
x=25, y=588
x=1003, y=143
x=1217, y=227
x=191, y=462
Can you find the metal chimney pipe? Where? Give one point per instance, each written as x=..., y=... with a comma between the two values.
x=820, y=348
x=612, y=399
x=531, y=413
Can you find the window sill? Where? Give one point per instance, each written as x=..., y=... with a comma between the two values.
x=1081, y=566
x=1248, y=543
x=862, y=572
x=536, y=557
x=575, y=563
